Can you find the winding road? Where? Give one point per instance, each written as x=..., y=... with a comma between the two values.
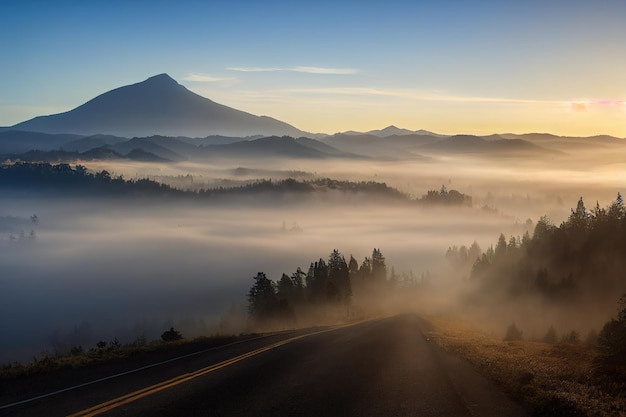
x=384, y=367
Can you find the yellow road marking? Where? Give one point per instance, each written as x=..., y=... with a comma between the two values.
x=144, y=392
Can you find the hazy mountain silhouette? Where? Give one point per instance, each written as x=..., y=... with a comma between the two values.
x=92, y=142
x=275, y=147
x=161, y=147
x=367, y=145
x=177, y=149
x=391, y=131
x=157, y=106
x=477, y=144
x=14, y=141
x=415, y=145
x=396, y=131
x=95, y=154
x=216, y=140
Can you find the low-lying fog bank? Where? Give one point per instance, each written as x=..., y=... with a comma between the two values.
x=97, y=270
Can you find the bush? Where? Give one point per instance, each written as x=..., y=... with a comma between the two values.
x=512, y=333
x=571, y=338
x=612, y=345
x=171, y=335
x=550, y=336
x=592, y=338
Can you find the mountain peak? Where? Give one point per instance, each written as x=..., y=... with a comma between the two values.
x=158, y=105
x=164, y=76
x=161, y=80
x=390, y=131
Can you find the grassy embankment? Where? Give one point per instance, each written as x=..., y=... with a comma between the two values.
x=111, y=352
x=551, y=379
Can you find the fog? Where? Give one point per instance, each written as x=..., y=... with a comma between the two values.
x=105, y=268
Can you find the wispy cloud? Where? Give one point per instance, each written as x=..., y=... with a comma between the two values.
x=417, y=95
x=304, y=69
x=204, y=78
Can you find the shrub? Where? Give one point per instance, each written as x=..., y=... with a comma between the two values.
x=550, y=336
x=592, y=338
x=171, y=335
x=512, y=333
x=612, y=345
x=571, y=338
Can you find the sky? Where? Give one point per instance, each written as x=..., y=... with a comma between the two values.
x=449, y=66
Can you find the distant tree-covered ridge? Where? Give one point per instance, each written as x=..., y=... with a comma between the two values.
x=64, y=178
x=586, y=254
x=446, y=197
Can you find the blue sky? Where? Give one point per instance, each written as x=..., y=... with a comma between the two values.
x=448, y=66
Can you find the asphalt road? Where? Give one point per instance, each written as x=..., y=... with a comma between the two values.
x=385, y=367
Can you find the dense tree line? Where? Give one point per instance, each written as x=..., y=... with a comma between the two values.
x=327, y=283
x=580, y=262
x=584, y=255
x=77, y=179
x=64, y=178
x=62, y=156
x=446, y=197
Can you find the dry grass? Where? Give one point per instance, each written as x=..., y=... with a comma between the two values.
x=553, y=380
x=45, y=362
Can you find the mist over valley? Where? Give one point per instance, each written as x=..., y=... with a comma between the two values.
x=175, y=212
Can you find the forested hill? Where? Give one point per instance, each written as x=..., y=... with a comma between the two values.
x=585, y=255
x=63, y=180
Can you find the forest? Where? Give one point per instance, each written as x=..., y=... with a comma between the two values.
x=582, y=257
x=329, y=288
x=78, y=180
x=576, y=265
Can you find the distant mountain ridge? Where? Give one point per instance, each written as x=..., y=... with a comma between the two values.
x=391, y=131
x=157, y=106
x=13, y=143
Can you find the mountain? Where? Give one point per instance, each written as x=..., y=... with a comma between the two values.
x=14, y=142
x=157, y=106
x=92, y=142
x=391, y=131
x=477, y=144
x=160, y=148
x=371, y=146
x=274, y=146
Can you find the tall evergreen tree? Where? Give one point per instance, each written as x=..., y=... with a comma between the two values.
x=379, y=268
x=339, y=277
x=262, y=299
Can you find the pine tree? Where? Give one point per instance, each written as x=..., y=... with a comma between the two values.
x=379, y=269
x=262, y=300
x=339, y=276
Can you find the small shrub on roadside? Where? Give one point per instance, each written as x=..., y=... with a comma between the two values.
x=171, y=335
x=550, y=336
x=592, y=338
x=512, y=333
x=611, y=360
x=571, y=338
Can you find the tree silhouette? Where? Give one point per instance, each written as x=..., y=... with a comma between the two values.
x=262, y=299
x=379, y=268
x=550, y=336
x=512, y=333
x=339, y=277
x=171, y=335
x=559, y=262
x=612, y=345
